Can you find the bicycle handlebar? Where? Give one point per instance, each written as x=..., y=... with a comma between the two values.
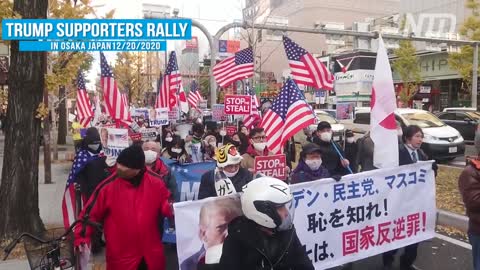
x=14, y=243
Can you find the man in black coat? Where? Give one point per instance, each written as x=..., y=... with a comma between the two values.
x=330, y=157
x=409, y=153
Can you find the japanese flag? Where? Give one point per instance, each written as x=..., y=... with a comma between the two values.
x=383, y=128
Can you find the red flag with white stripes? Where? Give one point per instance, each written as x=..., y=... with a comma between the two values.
x=117, y=104
x=171, y=83
x=306, y=69
x=288, y=115
x=84, y=107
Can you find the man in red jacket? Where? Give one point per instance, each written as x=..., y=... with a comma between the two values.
x=130, y=204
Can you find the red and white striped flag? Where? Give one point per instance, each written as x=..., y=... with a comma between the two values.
x=194, y=96
x=84, y=107
x=254, y=116
x=171, y=83
x=234, y=68
x=306, y=69
x=288, y=115
x=116, y=102
x=383, y=128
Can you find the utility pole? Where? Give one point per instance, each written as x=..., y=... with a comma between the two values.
x=475, y=77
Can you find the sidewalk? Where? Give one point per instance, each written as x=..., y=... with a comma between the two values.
x=50, y=196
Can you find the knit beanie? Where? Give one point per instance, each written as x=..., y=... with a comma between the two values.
x=132, y=157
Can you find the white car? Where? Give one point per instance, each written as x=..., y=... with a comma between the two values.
x=441, y=142
x=459, y=109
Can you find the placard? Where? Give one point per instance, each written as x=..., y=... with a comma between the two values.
x=231, y=130
x=362, y=215
x=114, y=140
x=149, y=134
x=159, y=116
x=345, y=110
x=274, y=166
x=238, y=104
x=218, y=112
x=174, y=114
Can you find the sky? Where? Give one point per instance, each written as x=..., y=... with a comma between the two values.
x=213, y=14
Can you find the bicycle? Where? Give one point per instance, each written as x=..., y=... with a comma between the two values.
x=46, y=254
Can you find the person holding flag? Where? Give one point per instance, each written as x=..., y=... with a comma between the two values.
x=88, y=170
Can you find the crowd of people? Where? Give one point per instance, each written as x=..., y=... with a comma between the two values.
x=131, y=194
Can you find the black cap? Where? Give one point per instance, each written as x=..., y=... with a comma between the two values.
x=92, y=136
x=323, y=125
x=309, y=149
x=349, y=133
x=132, y=157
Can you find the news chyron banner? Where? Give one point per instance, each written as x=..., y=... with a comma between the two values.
x=360, y=216
x=95, y=34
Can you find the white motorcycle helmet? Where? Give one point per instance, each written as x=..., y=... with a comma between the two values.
x=262, y=197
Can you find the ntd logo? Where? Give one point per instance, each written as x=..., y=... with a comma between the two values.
x=435, y=24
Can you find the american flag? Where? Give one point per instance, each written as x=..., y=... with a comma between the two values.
x=254, y=115
x=84, y=107
x=194, y=95
x=117, y=104
x=306, y=69
x=69, y=200
x=172, y=81
x=234, y=68
x=289, y=114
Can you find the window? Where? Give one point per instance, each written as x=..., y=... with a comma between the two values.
x=447, y=116
x=460, y=116
x=362, y=118
x=423, y=119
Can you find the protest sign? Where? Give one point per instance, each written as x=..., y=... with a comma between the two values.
x=231, y=130
x=188, y=177
x=237, y=104
x=114, y=140
x=174, y=114
x=218, y=112
x=140, y=112
x=148, y=134
x=345, y=110
x=273, y=166
x=135, y=136
x=202, y=104
x=361, y=216
x=158, y=117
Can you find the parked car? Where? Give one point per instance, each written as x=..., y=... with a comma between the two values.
x=441, y=142
x=465, y=122
x=337, y=128
x=459, y=109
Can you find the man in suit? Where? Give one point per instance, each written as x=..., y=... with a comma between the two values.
x=409, y=152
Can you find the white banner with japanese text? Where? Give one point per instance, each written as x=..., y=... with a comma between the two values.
x=360, y=216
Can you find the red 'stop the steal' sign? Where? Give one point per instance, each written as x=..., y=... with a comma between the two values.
x=274, y=166
x=237, y=104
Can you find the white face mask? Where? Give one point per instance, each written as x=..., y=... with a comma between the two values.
x=94, y=147
x=326, y=136
x=168, y=139
x=223, y=133
x=314, y=164
x=177, y=150
x=350, y=140
x=230, y=175
x=260, y=146
x=150, y=156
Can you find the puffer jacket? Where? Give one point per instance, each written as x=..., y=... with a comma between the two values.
x=469, y=186
x=247, y=247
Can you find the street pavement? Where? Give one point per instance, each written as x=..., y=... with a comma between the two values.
x=440, y=253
